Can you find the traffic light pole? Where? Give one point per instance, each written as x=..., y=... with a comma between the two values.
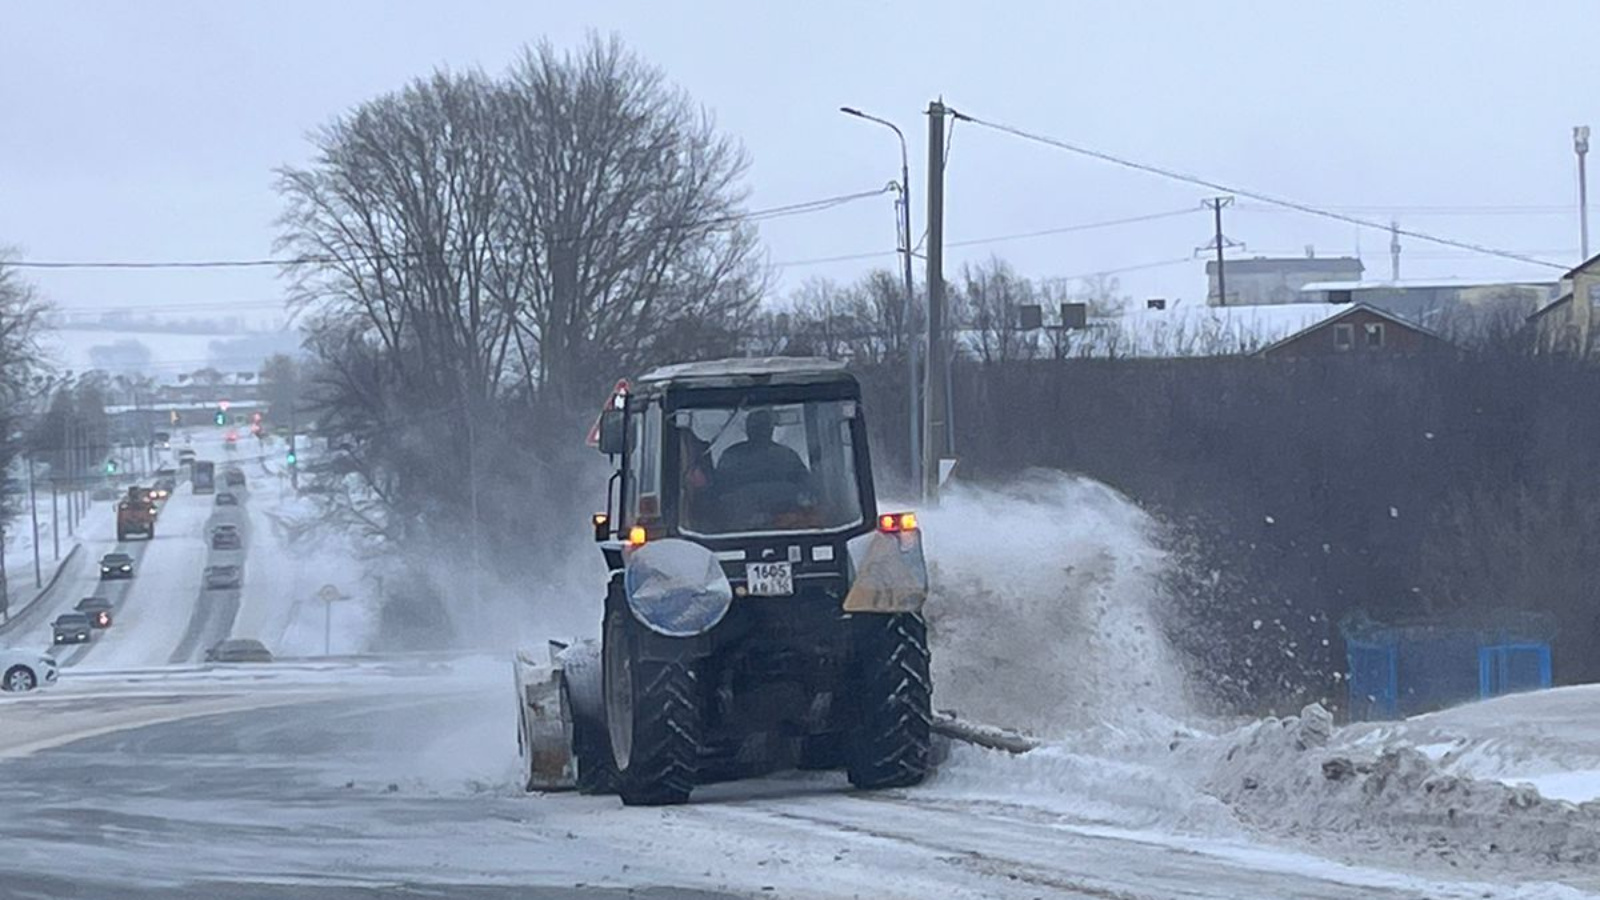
x=294, y=456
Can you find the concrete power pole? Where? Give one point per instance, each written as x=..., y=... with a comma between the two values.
x=1394, y=250
x=1580, y=144
x=935, y=418
x=1219, y=242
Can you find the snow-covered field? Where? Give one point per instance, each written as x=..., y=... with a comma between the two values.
x=163, y=353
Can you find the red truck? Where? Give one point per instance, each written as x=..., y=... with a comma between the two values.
x=136, y=514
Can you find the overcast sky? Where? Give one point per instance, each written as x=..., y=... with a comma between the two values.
x=149, y=130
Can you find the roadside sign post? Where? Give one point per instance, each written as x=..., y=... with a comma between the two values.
x=328, y=594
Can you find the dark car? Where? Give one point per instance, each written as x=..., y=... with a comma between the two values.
x=224, y=577
x=225, y=537
x=72, y=628
x=238, y=650
x=98, y=609
x=233, y=478
x=166, y=486
x=226, y=498
x=116, y=565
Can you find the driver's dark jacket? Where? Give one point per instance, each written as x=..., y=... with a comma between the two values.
x=749, y=462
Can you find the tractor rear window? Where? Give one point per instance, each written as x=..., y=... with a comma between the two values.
x=781, y=467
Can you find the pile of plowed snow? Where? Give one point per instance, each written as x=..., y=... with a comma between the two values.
x=1346, y=789
x=1549, y=740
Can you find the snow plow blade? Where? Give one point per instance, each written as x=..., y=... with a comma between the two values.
x=988, y=736
x=542, y=735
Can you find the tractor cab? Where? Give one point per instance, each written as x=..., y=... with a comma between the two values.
x=739, y=453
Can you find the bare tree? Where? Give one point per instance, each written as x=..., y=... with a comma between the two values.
x=989, y=303
x=621, y=203
x=281, y=386
x=21, y=314
x=475, y=255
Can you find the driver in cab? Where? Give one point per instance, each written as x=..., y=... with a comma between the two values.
x=761, y=471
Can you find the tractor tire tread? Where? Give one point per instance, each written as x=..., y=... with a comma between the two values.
x=891, y=744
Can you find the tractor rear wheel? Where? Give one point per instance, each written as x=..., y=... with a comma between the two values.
x=653, y=717
x=891, y=743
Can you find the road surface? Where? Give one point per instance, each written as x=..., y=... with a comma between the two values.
x=357, y=781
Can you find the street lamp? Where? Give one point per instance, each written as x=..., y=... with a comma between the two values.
x=914, y=403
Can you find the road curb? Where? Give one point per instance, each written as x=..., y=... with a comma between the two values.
x=49, y=586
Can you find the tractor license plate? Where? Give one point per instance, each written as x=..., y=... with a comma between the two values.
x=769, y=579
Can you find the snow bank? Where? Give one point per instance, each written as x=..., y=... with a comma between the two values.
x=1549, y=740
x=1298, y=777
x=1044, y=611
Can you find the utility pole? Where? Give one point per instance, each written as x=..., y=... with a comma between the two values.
x=69, y=456
x=1580, y=144
x=936, y=418
x=33, y=512
x=1220, y=243
x=55, y=520
x=1394, y=250
x=5, y=586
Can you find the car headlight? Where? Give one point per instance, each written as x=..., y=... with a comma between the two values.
x=127, y=568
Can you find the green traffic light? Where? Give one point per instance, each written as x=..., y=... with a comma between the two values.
x=290, y=458
x=111, y=467
x=221, y=418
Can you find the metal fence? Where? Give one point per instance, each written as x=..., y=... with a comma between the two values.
x=1404, y=669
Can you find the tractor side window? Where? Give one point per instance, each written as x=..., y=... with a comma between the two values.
x=630, y=476
x=641, y=495
x=649, y=457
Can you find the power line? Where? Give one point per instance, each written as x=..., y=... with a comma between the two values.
x=1137, y=267
x=1253, y=195
x=1456, y=210
x=760, y=215
x=974, y=242
x=1067, y=229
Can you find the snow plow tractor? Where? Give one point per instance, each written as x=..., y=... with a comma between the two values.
x=136, y=515
x=760, y=613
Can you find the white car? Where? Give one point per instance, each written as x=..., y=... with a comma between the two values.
x=24, y=670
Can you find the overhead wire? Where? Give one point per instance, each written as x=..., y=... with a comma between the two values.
x=1210, y=184
x=760, y=215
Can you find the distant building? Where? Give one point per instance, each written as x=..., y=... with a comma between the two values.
x=1290, y=330
x=1564, y=326
x=1360, y=331
x=1466, y=311
x=1262, y=281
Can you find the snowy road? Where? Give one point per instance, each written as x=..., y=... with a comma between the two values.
x=328, y=780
